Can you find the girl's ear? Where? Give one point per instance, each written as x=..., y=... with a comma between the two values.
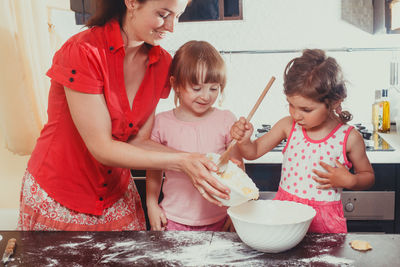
x=337, y=108
x=336, y=104
x=130, y=4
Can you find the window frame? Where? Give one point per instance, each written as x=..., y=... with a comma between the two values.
x=221, y=11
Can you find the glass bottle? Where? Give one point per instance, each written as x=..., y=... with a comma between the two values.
x=375, y=110
x=384, y=113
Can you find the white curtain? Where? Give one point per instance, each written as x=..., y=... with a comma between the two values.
x=26, y=49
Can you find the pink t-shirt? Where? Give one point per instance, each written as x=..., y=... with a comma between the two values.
x=302, y=154
x=182, y=202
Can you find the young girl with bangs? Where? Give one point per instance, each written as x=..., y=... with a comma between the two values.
x=321, y=147
x=198, y=77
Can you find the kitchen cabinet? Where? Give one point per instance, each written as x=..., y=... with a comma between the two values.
x=371, y=16
x=187, y=248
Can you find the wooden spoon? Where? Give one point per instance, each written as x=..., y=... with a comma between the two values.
x=225, y=156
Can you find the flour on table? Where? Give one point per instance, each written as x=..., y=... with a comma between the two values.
x=70, y=245
x=54, y=254
x=324, y=243
x=85, y=237
x=329, y=259
x=189, y=250
x=49, y=248
x=1, y=237
x=52, y=262
x=223, y=251
x=172, y=248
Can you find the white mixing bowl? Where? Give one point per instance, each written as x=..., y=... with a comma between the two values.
x=271, y=225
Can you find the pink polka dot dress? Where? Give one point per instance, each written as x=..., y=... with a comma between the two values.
x=302, y=155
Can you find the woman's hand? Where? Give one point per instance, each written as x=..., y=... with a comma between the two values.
x=241, y=130
x=157, y=218
x=198, y=167
x=337, y=176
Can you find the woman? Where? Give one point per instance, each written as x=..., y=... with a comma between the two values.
x=105, y=84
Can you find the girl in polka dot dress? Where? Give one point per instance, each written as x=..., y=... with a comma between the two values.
x=320, y=148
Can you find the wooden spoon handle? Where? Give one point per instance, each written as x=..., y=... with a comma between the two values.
x=225, y=156
x=260, y=98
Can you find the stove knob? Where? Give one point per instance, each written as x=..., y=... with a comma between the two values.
x=349, y=207
x=360, y=127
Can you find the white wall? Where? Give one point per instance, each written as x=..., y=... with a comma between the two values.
x=281, y=25
x=289, y=25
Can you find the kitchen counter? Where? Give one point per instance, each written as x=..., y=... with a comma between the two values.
x=176, y=248
x=392, y=138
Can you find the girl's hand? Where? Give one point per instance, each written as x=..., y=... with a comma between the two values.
x=228, y=226
x=241, y=130
x=337, y=176
x=157, y=218
x=198, y=167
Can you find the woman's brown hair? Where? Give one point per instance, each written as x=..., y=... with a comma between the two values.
x=192, y=58
x=318, y=77
x=107, y=10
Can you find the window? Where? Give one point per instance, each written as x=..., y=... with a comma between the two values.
x=206, y=10
x=83, y=9
x=197, y=10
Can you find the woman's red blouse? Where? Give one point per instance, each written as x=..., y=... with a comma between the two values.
x=92, y=62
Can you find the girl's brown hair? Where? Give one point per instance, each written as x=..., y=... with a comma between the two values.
x=318, y=77
x=107, y=10
x=192, y=58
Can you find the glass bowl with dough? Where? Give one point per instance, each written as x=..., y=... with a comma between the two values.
x=242, y=187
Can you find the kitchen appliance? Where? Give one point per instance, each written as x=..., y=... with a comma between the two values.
x=372, y=210
x=365, y=211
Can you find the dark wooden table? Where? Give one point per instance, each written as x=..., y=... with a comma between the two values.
x=191, y=249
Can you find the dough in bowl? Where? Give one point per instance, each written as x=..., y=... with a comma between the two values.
x=242, y=187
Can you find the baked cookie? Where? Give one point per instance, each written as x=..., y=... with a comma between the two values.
x=360, y=245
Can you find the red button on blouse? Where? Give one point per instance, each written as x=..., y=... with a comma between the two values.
x=92, y=62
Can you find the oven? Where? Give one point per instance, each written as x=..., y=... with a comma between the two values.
x=372, y=210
